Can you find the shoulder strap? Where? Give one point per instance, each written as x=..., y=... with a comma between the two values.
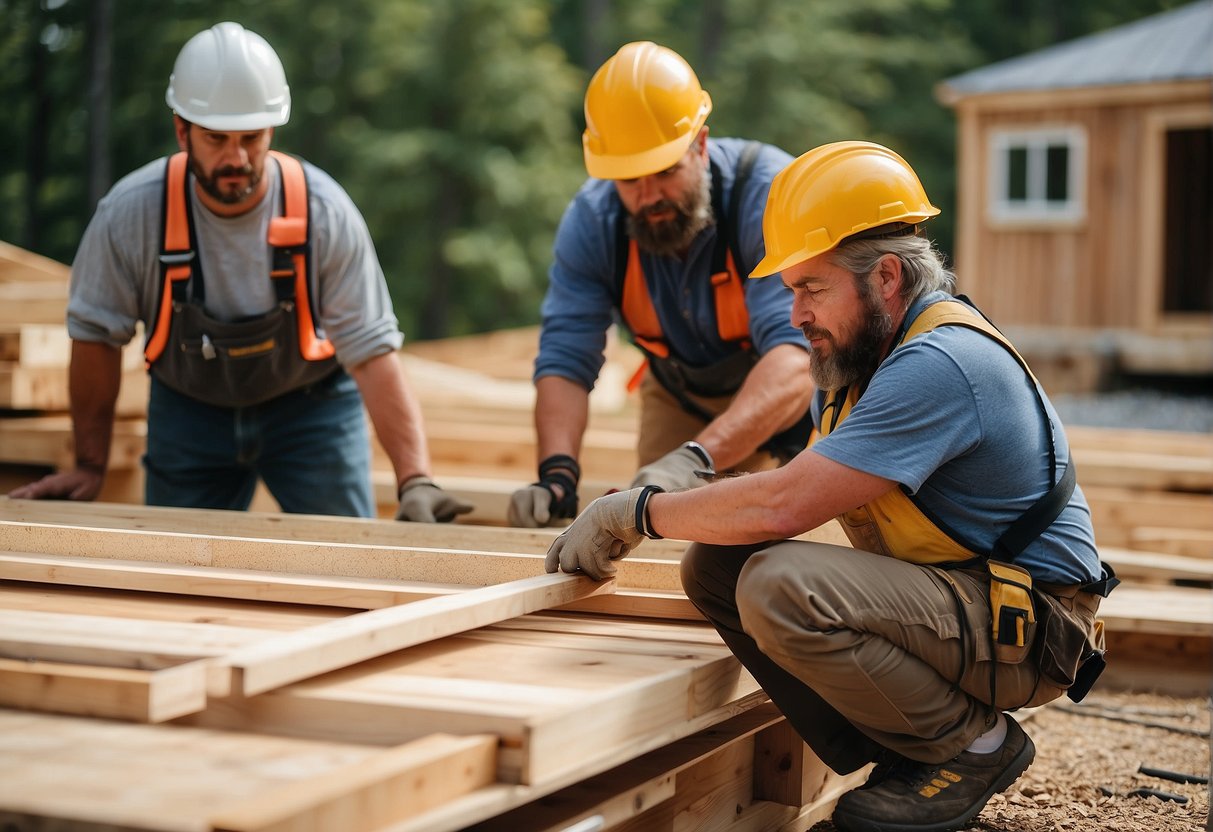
x=177, y=252
x=745, y=167
x=290, y=236
x=1041, y=514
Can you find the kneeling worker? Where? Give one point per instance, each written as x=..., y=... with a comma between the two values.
x=974, y=582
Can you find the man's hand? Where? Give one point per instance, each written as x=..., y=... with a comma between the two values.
x=676, y=470
x=422, y=501
x=76, y=484
x=553, y=497
x=604, y=532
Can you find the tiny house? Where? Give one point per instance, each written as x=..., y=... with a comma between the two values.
x=1085, y=193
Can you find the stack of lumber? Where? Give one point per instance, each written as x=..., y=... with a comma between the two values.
x=322, y=673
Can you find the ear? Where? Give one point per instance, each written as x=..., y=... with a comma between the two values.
x=702, y=138
x=888, y=277
x=182, y=128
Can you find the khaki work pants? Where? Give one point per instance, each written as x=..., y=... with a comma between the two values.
x=862, y=651
x=665, y=424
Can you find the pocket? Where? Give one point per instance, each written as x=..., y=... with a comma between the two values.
x=1061, y=641
x=1012, y=612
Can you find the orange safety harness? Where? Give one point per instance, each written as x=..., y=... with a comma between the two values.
x=732, y=317
x=288, y=234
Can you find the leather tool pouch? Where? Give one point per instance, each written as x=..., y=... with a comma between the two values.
x=1070, y=649
x=1012, y=612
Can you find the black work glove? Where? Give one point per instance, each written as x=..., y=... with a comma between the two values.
x=539, y=504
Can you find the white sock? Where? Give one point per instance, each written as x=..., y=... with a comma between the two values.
x=991, y=740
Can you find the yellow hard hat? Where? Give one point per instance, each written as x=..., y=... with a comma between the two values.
x=643, y=108
x=833, y=192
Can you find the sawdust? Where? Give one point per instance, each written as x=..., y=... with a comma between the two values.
x=1087, y=764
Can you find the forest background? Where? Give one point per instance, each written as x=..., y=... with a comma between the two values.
x=455, y=124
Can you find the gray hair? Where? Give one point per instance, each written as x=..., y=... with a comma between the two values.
x=922, y=264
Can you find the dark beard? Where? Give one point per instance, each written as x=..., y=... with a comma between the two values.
x=210, y=184
x=673, y=237
x=858, y=360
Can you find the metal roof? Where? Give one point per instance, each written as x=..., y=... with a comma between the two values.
x=1176, y=45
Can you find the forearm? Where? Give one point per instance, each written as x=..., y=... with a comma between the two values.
x=771, y=505
x=562, y=409
x=395, y=414
x=773, y=397
x=94, y=378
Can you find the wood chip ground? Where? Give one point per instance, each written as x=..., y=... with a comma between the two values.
x=1087, y=765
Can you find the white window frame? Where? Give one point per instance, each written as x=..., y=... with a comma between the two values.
x=1001, y=210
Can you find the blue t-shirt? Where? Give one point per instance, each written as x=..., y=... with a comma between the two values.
x=583, y=290
x=951, y=416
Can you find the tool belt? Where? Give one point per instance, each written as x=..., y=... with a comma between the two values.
x=1053, y=625
x=724, y=378
x=236, y=364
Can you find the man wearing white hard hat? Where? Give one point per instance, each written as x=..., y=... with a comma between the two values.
x=268, y=320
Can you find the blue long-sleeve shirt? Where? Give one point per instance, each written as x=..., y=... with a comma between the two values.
x=583, y=291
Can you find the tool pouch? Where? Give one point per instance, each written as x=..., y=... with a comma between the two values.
x=1013, y=615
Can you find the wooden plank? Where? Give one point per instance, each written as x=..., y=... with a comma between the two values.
x=275, y=662
x=101, y=640
x=1156, y=567
x=405, y=563
x=1117, y=511
x=394, y=785
x=19, y=265
x=33, y=302
x=350, y=593
x=1161, y=472
x=1159, y=610
x=1190, y=543
x=65, y=772
x=47, y=440
x=111, y=692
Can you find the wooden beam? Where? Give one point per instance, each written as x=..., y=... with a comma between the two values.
x=402, y=563
x=392, y=786
x=117, y=642
x=247, y=584
x=111, y=692
x=275, y=662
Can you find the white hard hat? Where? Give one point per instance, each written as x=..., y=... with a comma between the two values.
x=228, y=78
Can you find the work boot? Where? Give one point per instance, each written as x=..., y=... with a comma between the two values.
x=935, y=797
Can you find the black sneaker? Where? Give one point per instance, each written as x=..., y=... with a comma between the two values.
x=926, y=797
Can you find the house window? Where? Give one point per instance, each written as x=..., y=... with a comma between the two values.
x=1036, y=175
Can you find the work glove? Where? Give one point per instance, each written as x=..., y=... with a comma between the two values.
x=422, y=501
x=538, y=504
x=607, y=530
x=676, y=471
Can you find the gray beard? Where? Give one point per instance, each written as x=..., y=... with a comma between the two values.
x=672, y=237
x=858, y=360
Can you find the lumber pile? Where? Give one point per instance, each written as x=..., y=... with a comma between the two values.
x=306, y=673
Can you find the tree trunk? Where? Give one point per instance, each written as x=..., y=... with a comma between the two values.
x=100, y=49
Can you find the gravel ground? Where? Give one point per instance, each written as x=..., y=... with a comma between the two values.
x=1137, y=408
x=1087, y=761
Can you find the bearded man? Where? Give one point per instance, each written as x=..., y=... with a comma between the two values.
x=263, y=370
x=660, y=239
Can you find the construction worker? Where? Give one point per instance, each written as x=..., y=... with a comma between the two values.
x=974, y=580
x=661, y=237
x=256, y=372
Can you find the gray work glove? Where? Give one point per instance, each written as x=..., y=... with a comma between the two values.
x=676, y=470
x=422, y=501
x=604, y=532
x=553, y=497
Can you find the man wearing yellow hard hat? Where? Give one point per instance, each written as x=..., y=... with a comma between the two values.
x=660, y=238
x=974, y=580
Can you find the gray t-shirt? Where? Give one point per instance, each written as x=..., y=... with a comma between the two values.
x=950, y=415
x=116, y=278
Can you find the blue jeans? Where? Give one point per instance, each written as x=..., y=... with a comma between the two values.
x=310, y=446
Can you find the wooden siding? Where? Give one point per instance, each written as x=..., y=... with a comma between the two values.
x=1104, y=272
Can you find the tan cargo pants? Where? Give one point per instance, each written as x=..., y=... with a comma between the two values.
x=862, y=651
